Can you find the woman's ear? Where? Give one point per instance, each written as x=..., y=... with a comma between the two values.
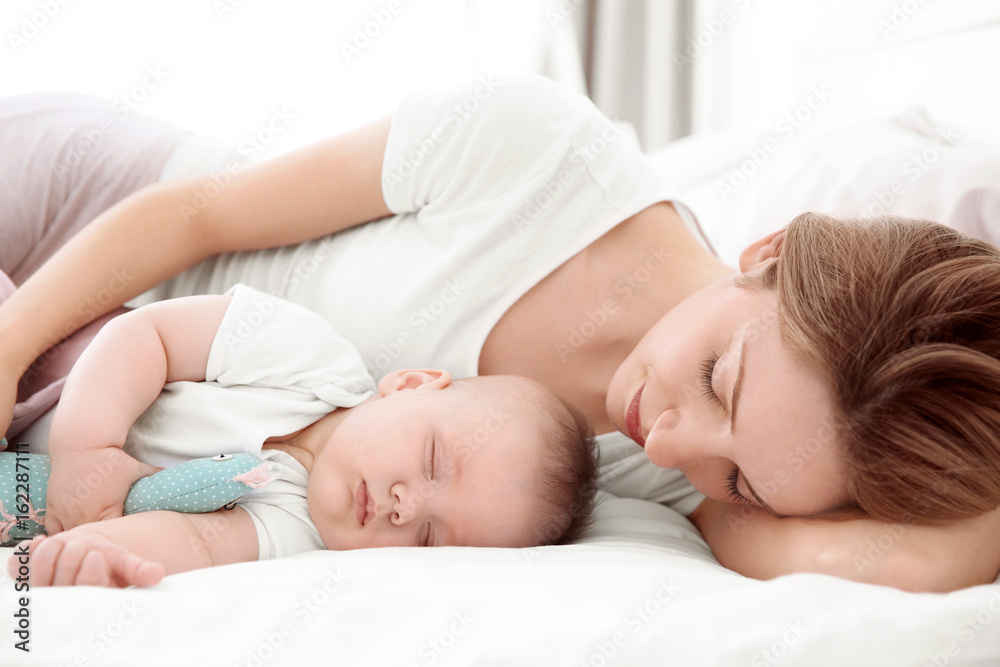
x=422, y=378
x=761, y=251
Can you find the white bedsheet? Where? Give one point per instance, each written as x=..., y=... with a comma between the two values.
x=642, y=590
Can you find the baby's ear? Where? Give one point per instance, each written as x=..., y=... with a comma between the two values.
x=760, y=251
x=414, y=378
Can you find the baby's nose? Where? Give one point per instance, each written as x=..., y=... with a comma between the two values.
x=405, y=505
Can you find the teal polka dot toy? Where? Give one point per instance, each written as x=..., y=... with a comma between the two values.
x=193, y=487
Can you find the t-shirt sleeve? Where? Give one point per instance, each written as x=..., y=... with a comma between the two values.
x=265, y=341
x=460, y=146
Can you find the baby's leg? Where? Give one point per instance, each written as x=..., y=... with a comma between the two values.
x=64, y=159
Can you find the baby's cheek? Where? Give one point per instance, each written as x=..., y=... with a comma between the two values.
x=324, y=516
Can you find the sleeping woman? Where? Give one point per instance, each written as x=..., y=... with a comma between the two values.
x=829, y=406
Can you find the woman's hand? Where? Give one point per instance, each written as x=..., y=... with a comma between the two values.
x=8, y=395
x=83, y=558
x=89, y=485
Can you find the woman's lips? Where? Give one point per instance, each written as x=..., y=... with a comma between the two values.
x=633, y=420
x=361, y=502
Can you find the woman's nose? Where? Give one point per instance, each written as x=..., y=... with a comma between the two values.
x=666, y=444
x=663, y=454
x=680, y=436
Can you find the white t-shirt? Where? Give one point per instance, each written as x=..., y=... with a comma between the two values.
x=273, y=369
x=494, y=184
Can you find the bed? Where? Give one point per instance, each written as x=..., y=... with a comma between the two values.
x=642, y=588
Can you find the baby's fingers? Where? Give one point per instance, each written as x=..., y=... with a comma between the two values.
x=127, y=569
x=147, y=573
x=94, y=570
x=20, y=558
x=67, y=565
x=43, y=554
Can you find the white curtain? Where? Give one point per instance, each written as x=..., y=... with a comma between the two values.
x=221, y=67
x=637, y=68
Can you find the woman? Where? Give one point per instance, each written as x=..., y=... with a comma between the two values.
x=518, y=232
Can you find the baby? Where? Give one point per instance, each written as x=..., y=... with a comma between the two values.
x=493, y=461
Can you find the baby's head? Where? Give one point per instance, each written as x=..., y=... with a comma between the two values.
x=494, y=461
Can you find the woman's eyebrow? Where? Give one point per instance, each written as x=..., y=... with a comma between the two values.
x=737, y=385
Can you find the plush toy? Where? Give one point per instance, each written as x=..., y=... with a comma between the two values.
x=197, y=486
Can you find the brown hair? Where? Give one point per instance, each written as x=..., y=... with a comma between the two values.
x=566, y=483
x=902, y=318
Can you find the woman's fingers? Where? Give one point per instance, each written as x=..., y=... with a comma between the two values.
x=8, y=398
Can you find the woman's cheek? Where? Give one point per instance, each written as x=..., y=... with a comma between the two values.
x=708, y=478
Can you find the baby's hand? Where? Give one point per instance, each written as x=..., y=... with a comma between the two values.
x=89, y=484
x=83, y=558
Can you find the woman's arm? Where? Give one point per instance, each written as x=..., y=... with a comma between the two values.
x=163, y=229
x=138, y=549
x=114, y=381
x=906, y=556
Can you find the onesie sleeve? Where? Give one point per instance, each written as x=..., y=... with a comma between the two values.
x=455, y=147
x=280, y=511
x=265, y=341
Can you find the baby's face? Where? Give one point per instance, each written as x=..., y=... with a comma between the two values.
x=427, y=467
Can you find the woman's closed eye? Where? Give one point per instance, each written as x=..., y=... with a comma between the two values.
x=707, y=369
x=731, y=488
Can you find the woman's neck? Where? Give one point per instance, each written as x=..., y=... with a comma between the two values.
x=573, y=329
x=641, y=269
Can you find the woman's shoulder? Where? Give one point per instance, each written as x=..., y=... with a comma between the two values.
x=481, y=139
x=496, y=106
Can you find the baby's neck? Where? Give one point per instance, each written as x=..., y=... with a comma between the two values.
x=306, y=444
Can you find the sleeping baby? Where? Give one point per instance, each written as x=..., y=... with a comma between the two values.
x=419, y=460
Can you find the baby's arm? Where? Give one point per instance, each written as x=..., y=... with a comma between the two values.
x=139, y=549
x=907, y=556
x=117, y=377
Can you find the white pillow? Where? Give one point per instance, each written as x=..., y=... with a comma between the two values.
x=742, y=188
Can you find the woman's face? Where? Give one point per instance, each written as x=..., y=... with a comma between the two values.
x=712, y=390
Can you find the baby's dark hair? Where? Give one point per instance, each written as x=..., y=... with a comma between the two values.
x=568, y=476
x=567, y=461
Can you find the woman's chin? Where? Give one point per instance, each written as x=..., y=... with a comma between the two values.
x=616, y=401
